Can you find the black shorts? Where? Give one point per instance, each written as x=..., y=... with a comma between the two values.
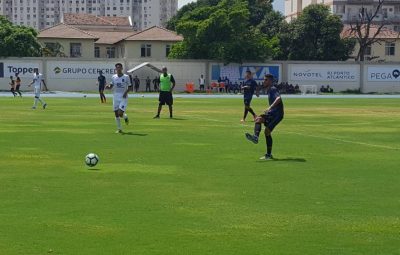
x=247, y=101
x=271, y=120
x=166, y=98
x=101, y=88
x=17, y=87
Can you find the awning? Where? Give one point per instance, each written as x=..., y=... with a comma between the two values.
x=154, y=68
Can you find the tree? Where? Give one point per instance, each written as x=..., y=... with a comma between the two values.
x=221, y=32
x=314, y=35
x=362, y=30
x=53, y=50
x=17, y=41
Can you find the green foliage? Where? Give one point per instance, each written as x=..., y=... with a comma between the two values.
x=53, y=50
x=315, y=35
x=17, y=41
x=222, y=32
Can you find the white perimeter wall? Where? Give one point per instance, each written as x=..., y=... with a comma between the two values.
x=81, y=75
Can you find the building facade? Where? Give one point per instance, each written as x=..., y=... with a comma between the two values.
x=42, y=14
x=349, y=10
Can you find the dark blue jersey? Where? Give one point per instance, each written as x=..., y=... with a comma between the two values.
x=273, y=94
x=102, y=81
x=252, y=86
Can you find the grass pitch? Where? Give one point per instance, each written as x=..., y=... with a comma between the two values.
x=194, y=185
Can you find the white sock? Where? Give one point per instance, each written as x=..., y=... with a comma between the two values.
x=125, y=116
x=35, y=102
x=118, y=121
x=41, y=101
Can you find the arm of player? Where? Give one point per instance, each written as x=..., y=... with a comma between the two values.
x=277, y=101
x=257, y=90
x=173, y=83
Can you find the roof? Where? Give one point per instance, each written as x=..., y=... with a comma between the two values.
x=63, y=31
x=385, y=33
x=111, y=37
x=152, y=67
x=88, y=19
x=156, y=34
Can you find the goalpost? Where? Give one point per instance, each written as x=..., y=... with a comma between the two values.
x=308, y=89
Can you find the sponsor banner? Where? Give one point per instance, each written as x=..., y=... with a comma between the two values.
x=238, y=73
x=79, y=70
x=384, y=73
x=10, y=68
x=324, y=73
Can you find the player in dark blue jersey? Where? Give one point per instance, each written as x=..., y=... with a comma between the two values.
x=101, y=81
x=271, y=118
x=249, y=87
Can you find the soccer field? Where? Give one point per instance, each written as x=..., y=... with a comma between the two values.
x=194, y=184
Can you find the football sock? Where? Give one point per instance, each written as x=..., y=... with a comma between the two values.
x=41, y=101
x=257, y=129
x=252, y=112
x=118, y=121
x=268, y=138
x=35, y=102
x=245, y=113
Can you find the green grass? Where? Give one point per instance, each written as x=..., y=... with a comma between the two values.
x=194, y=185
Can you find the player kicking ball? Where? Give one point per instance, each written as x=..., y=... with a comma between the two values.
x=271, y=118
x=121, y=83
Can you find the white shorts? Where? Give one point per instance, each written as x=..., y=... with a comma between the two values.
x=120, y=103
x=37, y=92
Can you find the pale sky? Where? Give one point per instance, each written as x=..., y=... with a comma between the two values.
x=278, y=4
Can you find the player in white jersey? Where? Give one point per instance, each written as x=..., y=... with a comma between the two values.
x=37, y=81
x=121, y=83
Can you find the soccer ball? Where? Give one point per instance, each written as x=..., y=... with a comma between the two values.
x=91, y=159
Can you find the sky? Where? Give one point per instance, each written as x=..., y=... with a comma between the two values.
x=278, y=4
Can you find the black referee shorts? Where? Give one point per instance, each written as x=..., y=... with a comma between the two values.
x=166, y=98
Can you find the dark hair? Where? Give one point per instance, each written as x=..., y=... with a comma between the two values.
x=118, y=64
x=248, y=71
x=269, y=76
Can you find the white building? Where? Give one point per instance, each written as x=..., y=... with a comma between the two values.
x=349, y=10
x=42, y=14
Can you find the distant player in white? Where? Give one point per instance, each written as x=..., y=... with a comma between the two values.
x=121, y=84
x=37, y=81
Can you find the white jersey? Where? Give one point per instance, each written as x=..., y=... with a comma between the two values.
x=37, y=80
x=120, y=84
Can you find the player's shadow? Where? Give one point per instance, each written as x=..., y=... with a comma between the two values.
x=94, y=169
x=178, y=118
x=298, y=160
x=134, y=134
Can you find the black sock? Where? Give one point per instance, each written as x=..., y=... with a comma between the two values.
x=245, y=113
x=268, y=138
x=252, y=112
x=257, y=129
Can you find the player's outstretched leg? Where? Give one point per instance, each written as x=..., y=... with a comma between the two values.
x=257, y=129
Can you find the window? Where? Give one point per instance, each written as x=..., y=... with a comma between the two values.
x=75, y=50
x=340, y=8
x=110, y=52
x=390, y=48
x=167, y=50
x=145, y=51
x=96, y=52
x=396, y=28
x=368, y=51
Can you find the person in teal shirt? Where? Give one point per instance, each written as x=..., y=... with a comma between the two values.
x=167, y=85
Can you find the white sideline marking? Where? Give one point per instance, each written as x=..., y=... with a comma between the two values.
x=314, y=136
x=344, y=140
